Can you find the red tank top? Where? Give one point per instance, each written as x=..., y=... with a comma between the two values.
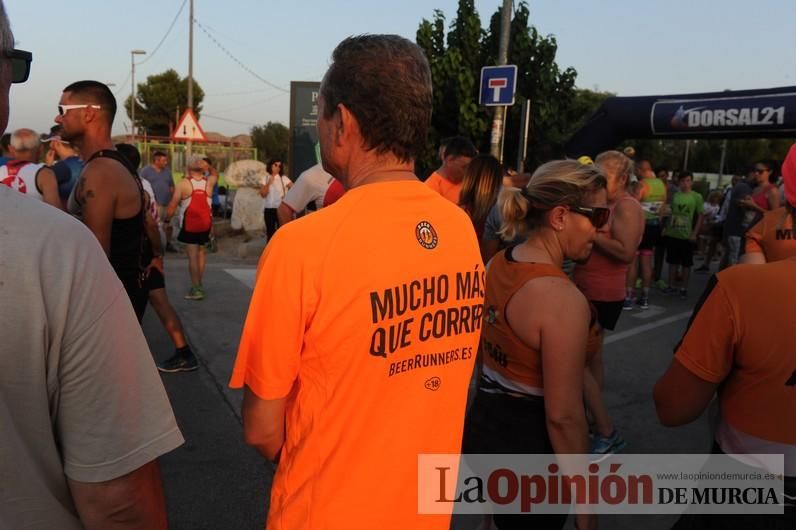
x=602, y=278
x=761, y=197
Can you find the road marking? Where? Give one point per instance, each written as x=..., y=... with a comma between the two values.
x=244, y=276
x=622, y=335
x=652, y=311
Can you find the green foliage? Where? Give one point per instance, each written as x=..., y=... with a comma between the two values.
x=271, y=141
x=704, y=156
x=158, y=99
x=456, y=71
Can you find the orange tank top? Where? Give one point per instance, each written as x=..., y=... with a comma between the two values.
x=509, y=365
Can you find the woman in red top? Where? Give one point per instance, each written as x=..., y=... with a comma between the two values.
x=536, y=327
x=765, y=195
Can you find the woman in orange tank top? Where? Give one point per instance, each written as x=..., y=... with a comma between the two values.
x=536, y=327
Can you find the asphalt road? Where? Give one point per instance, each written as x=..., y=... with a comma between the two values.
x=217, y=482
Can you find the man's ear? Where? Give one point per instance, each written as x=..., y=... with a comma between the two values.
x=345, y=122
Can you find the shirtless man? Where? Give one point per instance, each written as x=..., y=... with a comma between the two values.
x=108, y=197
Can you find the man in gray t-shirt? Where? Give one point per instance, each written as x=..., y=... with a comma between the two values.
x=83, y=413
x=159, y=175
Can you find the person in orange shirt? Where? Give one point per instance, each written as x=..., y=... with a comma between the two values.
x=447, y=180
x=772, y=238
x=363, y=327
x=741, y=350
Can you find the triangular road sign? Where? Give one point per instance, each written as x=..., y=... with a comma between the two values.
x=188, y=128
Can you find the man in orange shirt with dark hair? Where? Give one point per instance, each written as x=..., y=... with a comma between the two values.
x=363, y=327
x=447, y=180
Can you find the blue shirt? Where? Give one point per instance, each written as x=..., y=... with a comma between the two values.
x=162, y=183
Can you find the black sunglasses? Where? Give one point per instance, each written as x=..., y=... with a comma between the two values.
x=598, y=215
x=20, y=64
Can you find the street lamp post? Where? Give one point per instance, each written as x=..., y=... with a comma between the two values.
x=133, y=53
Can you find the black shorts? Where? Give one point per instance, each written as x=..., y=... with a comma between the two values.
x=137, y=292
x=502, y=424
x=193, y=238
x=155, y=280
x=717, y=231
x=652, y=234
x=679, y=251
x=608, y=313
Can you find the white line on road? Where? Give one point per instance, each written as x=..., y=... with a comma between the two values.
x=244, y=276
x=616, y=337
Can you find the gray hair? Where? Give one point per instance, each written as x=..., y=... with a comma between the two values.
x=6, y=37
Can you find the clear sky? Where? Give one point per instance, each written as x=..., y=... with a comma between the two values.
x=640, y=47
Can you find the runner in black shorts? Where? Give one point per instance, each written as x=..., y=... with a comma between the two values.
x=154, y=284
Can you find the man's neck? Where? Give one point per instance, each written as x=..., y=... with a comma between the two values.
x=378, y=168
x=87, y=145
x=447, y=174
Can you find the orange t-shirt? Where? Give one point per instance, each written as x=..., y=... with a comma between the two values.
x=444, y=187
x=773, y=235
x=743, y=336
x=366, y=315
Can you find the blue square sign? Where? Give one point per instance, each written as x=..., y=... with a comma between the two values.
x=498, y=85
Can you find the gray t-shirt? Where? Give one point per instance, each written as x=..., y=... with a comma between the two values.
x=80, y=396
x=161, y=182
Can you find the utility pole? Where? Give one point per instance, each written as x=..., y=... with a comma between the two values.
x=495, y=145
x=522, y=149
x=190, y=72
x=133, y=53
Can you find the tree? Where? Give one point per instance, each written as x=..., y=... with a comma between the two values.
x=456, y=70
x=159, y=100
x=271, y=141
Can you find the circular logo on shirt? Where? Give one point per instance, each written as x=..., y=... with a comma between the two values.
x=426, y=235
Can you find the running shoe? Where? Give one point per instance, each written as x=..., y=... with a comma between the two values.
x=660, y=284
x=178, y=363
x=644, y=302
x=683, y=294
x=605, y=445
x=628, y=305
x=670, y=290
x=703, y=268
x=195, y=293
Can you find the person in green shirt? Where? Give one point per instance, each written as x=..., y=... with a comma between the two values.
x=681, y=234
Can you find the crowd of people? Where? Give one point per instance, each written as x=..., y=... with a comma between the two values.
x=372, y=314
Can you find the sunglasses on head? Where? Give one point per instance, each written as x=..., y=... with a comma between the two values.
x=20, y=64
x=598, y=215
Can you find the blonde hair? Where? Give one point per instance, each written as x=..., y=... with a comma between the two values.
x=480, y=187
x=616, y=160
x=556, y=183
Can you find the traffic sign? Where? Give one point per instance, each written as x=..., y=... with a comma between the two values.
x=188, y=128
x=498, y=85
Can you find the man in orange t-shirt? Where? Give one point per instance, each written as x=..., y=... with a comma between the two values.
x=771, y=238
x=447, y=180
x=364, y=324
x=742, y=350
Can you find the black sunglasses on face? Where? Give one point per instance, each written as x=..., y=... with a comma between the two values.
x=598, y=215
x=20, y=64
